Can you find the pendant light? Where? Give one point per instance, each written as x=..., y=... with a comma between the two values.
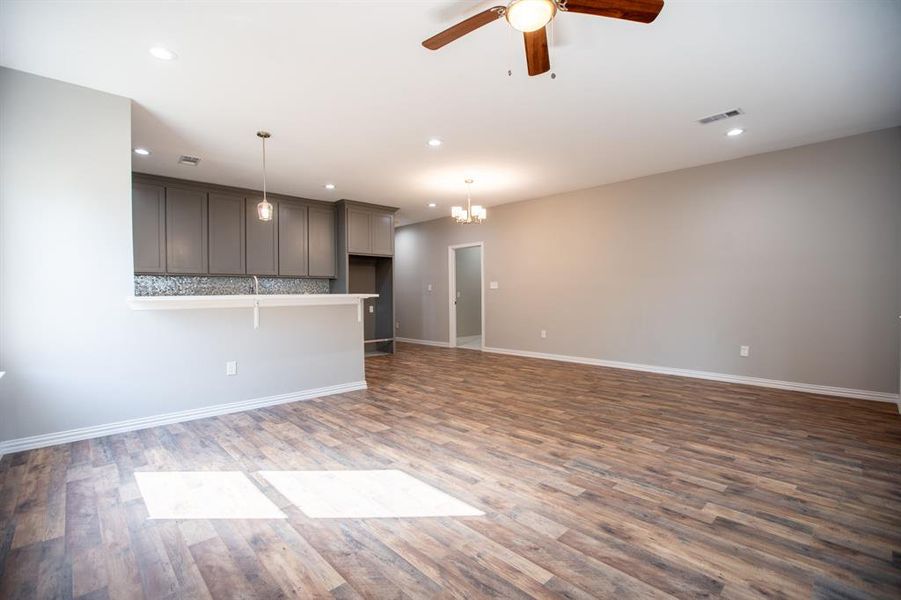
x=471, y=214
x=264, y=208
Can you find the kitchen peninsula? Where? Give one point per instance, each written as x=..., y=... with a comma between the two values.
x=251, y=312
x=198, y=245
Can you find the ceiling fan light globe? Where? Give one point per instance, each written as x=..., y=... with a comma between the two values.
x=530, y=15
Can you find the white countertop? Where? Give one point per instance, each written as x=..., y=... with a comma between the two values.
x=242, y=301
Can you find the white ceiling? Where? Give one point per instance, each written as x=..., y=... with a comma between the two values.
x=351, y=97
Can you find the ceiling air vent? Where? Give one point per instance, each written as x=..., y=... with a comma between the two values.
x=720, y=116
x=191, y=161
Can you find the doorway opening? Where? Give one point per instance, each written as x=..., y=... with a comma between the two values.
x=466, y=265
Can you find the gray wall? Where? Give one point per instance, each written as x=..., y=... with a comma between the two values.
x=796, y=253
x=469, y=291
x=74, y=354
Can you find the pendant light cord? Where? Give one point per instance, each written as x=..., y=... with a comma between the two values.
x=264, y=169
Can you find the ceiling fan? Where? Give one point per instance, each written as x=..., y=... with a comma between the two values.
x=531, y=16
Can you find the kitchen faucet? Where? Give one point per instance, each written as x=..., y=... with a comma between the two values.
x=256, y=285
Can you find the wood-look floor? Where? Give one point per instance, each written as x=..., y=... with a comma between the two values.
x=595, y=483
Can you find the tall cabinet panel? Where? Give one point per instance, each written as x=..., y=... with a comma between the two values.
x=186, y=231
x=262, y=239
x=366, y=265
x=322, y=241
x=292, y=239
x=359, y=240
x=382, y=233
x=148, y=214
x=226, y=234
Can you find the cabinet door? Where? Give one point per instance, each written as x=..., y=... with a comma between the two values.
x=382, y=235
x=148, y=220
x=292, y=239
x=186, y=231
x=262, y=239
x=322, y=241
x=226, y=231
x=358, y=231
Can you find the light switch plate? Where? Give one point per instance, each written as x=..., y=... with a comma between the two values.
x=231, y=367
x=744, y=351
x=492, y=285
x=430, y=287
x=371, y=309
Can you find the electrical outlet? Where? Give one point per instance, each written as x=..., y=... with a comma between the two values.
x=429, y=287
x=371, y=309
x=544, y=333
x=459, y=294
x=397, y=325
x=744, y=351
x=492, y=285
x=231, y=367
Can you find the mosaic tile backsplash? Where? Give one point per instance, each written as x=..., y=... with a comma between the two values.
x=186, y=285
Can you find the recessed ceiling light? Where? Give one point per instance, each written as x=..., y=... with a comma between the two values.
x=329, y=186
x=434, y=142
x=163, y=53
x=142, y=151
x=432, y=205
x=735, y=132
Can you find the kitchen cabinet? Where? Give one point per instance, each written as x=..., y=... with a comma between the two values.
x=365, y=261
x=148, y=212
x=359, y=234
x=369, y=231
x=262, y=238
x=186, y=231
x=322, y=244
x=194, y=228
x=226, y=234
x=381, y=226
x=292, y=239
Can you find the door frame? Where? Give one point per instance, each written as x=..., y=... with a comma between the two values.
x=452, y=289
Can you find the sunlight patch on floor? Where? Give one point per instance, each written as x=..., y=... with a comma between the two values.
x=204, y=495
x=365, y=494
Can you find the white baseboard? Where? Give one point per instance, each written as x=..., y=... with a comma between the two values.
x=84, y=433
x=423, y=342
x=725, y=377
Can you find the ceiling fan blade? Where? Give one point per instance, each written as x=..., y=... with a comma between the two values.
x=643, y=11
x=537, y=56
x=463, y=27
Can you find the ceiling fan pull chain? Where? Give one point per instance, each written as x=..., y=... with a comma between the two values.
x=509, y=46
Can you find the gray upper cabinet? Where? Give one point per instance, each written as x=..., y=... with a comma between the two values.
x=359, y=238
x=148, y=213
x=382, y=233
x=262, y=239
x=292, y=239
x=322, y=244
x=369, y=231
x=192, y=228
x=226, y=234
x=186, y=231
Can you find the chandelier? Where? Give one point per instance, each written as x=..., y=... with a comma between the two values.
x=470, y=214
